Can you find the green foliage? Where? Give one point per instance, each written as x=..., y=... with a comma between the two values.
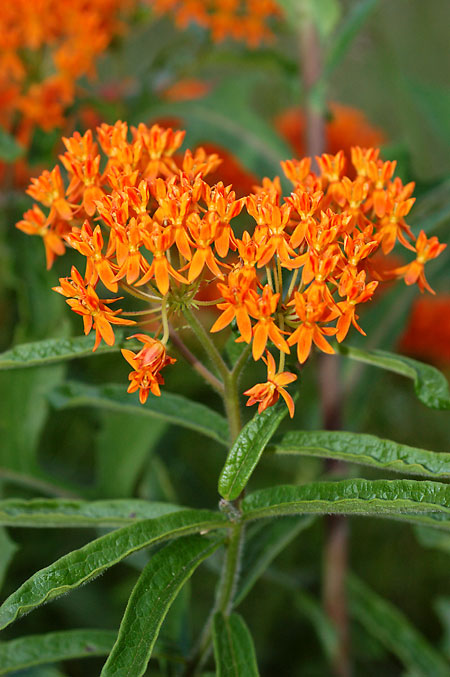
x=7, y=551
x=430, y=385
x=382, y=620
x=81, y=566
x=25, y=652
x=245, y=453
x=47, y=513
x=403, y=499
x=157, y=587
x=234, y=652
x=264, y=542
x=365, y=450
x=10, y=150
x=170, y=408
x=50, y=351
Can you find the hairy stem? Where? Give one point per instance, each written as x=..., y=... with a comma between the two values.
x=195, y=363
x=206, y=342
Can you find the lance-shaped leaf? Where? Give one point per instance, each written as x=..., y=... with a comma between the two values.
x=430, y=385
x=171, y=408
x=40, y=512
x=82, y=565
x=366, y=450
x=25, y=652
x=50, y=351
x=157, y=587
x=247, y=449
x=350, y=28
x=263, y=543
x=389, y=625
x=234, y=652
x=417, y=501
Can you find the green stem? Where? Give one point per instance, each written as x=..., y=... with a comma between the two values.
x=208, y=345
x=195, y=362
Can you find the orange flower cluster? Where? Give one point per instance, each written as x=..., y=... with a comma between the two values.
x=243, y=20
x=294, y=278
x=45, y=46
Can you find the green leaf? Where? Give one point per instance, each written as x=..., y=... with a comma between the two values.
x=23, y=398
x=417, y=501
x=157, y=587
x=350, y=28
x=263, y=544
x=10, y=150
x=47, y=513
x=25, y=652
x=324, y=628
x=50, y=351
x=388, y=624
x=431, y=538
x=326, y=14
x=430, y=385
x=234, y=652
x=365, y=450
x=7, y=550
x=124, y=444
x=247, y=450
x=434, y=102
x=171, y=408
x=84, y=564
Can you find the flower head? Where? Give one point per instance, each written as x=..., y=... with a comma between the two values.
x=268, y=393
x=147, y=364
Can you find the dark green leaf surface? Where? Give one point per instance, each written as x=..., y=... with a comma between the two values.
x=50, y=351
x=234, y=652
x=82, y=565
x=418, y=501
x=39, y=512
x=18, y=654
x=263, y=543
x=7, y=551
x=431, y=538
x=150, y=601
x=171, y=408
x=430, y=385
x=366, y=450
x=247, y=449
x=388, y=624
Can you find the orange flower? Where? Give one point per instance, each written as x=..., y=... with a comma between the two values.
x=147, y=363
x=268, y=393
x=262, y=310
x=427, y=335
x=312, y=313
x=95, y=313
x=36, y=223
x=427, y=249
x=237, y=293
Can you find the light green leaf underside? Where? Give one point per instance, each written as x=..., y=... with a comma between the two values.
x=84, y=564
x=39, y=512
x=157, y=587
x=234, y=652
x=366, y=450
x=247, y=449
x=421, y=502
x=50, y=351
x=388, y=624
x=171, y=408
x=25, y=652
x=430, y=385
x=264, y=542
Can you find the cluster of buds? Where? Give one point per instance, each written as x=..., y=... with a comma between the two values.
x=243, y=20
x=295, y=277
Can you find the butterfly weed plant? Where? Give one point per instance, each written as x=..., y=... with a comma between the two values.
x=286, y=273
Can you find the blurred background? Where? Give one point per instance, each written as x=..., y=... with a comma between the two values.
x=236, y=86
